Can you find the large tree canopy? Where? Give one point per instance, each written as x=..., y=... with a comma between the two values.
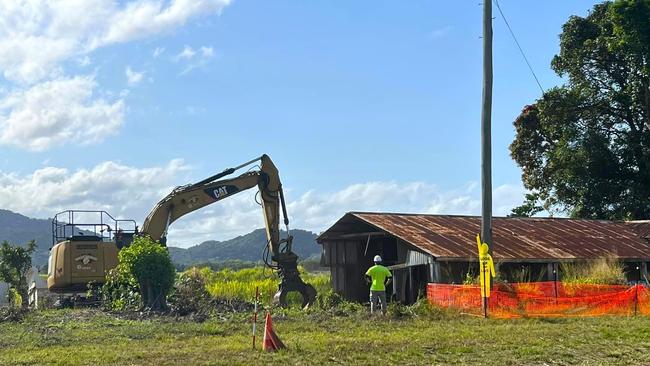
x=584, y=147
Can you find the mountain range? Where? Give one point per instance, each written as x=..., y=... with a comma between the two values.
x=19, y=229
x=247, y=247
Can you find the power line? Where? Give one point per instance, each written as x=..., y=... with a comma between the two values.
x=518, y=45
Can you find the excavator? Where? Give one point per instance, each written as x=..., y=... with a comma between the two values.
x=84, y=252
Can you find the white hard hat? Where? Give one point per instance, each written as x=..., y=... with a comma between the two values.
x=377, y=259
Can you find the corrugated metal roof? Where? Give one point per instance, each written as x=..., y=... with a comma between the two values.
x=453, y=237
x=641, y=227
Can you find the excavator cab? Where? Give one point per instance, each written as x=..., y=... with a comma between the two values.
x=84, y=248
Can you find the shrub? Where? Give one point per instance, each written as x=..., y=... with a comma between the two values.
x=471, y=278
x=13, y=298
x=143, y=277
x=150, y=264
x=399, y=311
x=15, y=263
x=328, y=300
x=348, y=308
x=424, y=308
x=120, y=291
x=190, y=295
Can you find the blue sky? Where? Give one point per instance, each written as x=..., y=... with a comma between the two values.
x=362, y=105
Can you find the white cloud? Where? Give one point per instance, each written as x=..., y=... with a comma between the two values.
x=133, y=77
x=130, y=192
x=58, y=112
x=207, y=51
x=38, y=37
x=194, y=59
x=226, y=219
x=186, y=54
x=84, y=61
x=121, y=190
x=158, y=51
x=28, y=59
x=506, y=197
x=142, y=18
x=316, y=211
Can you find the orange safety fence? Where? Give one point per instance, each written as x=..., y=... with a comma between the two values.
x=544, y=299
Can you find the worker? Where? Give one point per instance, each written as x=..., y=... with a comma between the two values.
x=379, y=277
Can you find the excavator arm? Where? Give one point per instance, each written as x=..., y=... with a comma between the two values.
x=185, y=199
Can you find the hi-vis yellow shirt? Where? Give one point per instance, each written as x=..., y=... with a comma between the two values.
x=378, y=273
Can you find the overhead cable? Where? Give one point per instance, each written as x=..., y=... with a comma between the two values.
x=512, y=33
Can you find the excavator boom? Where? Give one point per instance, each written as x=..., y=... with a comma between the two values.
x=185, y=199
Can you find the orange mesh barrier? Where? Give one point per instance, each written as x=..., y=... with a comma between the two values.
x=544, y=299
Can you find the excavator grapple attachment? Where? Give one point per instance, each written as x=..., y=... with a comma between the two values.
x=307, y=291
x=291, y=281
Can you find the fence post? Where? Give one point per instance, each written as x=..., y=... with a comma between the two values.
x=257, y=296
x=485, y=307
x=555, y=280
x=636, y=289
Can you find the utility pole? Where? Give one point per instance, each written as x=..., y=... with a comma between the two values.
x=486, y=127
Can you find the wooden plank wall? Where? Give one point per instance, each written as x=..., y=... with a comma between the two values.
x=342, y=256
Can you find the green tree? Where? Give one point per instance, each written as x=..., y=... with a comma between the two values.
x=15, y=263
x=150, y=264
x=584, y=147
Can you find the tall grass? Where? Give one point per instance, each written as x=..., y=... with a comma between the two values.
x=598, y=272
x=241, y=284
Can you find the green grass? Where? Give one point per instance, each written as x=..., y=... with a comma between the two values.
x=331, y=332
x=91, y=337
x=240, y=284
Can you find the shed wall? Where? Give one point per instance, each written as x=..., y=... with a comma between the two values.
x=350, y=259
x=344, y=260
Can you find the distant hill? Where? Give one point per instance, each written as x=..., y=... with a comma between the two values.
x=247, y=247
x=19, y=229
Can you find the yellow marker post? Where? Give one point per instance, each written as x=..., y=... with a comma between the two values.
x=487, y=271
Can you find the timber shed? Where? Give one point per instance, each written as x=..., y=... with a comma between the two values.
x=442, y=248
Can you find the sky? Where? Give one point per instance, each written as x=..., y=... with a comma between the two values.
x=363, y=106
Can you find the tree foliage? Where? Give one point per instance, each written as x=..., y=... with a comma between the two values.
x=151, y=266
x=15, y=263
x=120, y=291
x=584, y=147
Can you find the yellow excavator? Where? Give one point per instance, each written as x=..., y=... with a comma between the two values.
x=84, y=252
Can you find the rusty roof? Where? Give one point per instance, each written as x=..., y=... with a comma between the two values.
x=453, y=237
x=641, y=227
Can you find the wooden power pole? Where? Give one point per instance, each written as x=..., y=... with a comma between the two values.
x=486, y=127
